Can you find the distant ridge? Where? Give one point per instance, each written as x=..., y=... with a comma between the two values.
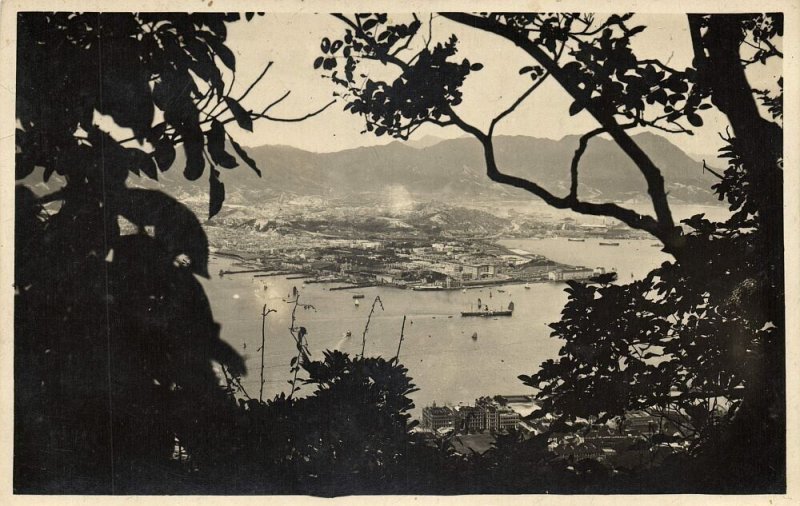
x=451, y=171
x=426, y=141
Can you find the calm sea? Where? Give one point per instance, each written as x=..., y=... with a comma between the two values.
x=444, y=361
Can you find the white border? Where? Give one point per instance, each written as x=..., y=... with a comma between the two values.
x=8, y=10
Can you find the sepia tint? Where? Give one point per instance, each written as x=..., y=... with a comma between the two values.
x=409, y=253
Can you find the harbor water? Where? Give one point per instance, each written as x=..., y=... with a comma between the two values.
x=445, y=362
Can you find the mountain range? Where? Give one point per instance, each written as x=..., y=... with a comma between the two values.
x=453, y=170
x=449, y=171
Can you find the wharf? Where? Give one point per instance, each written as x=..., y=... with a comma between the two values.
x=362, y=285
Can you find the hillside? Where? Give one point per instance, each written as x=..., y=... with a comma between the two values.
x=449, y=171
x=453, y=170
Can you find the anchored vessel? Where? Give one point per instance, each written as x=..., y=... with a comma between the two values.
x=483, y=310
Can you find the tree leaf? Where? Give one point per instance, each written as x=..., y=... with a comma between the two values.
x=329, y=64
x=318, y=62
x=224, y=53
x=164, y=154
x=216, y=146
x=146, y=163
x=242, y=116
x=368, y=24
x=575, y=108
x=695, y=119
x=243, y=155
x=636, y=29
x=195, y=163
x=216, y=193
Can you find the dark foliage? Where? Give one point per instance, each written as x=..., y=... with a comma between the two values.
x=114, y=337
x=701, y=336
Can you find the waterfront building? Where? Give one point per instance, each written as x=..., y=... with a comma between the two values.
x=436, y=417
x=568, y=274
x=471, y=418
x=507, y=419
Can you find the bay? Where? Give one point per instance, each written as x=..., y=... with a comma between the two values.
x=446, y=364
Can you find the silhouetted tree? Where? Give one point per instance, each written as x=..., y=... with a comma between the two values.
x=114, y=337
x=700, y=336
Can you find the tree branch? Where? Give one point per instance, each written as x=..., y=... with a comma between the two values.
x=517, y=102
x=293, y=120
x=383, y=56
x=254, y=83
x=707, y=168
x=582, y=144
x=663, y=223
x=408, y=40
x=627, y=216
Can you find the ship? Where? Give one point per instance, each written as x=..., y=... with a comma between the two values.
x=358, y=295
x=427, y=288
x=609, y=244
x=484, y=311
x=576, y=240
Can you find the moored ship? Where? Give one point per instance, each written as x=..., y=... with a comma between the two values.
x=483, y=310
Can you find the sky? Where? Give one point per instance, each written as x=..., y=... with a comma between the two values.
x=291, y=42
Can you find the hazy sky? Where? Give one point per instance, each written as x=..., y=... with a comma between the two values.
x=291, y=41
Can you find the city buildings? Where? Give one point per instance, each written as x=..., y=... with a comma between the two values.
x=437, y=417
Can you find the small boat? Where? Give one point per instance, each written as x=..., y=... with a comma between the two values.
x=348, y=334
x=609, y=244
x=576, y=240
x=355, y=302
x=463, y=290
x=474, y=336
x=358, y=295
x=527, y=286
x=501, y=291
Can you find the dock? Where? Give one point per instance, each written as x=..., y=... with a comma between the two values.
x=362, y=285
